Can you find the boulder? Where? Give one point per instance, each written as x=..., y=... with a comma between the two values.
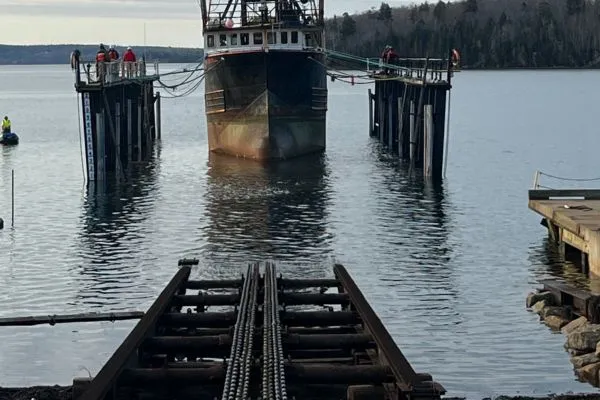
x=555, y=322
x=539, y=307
x=589, y=373
x=583, y=360
x=561, y=312
x=574, y=325
x=584, y=338
x=533, y=298
x=576, y=353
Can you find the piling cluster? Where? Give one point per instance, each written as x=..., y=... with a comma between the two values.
x=407, y=112
x=582, y=337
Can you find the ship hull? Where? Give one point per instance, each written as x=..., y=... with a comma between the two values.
x=266, y=105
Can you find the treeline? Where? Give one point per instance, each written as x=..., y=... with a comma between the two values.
x=60, y=54
x=487, y=33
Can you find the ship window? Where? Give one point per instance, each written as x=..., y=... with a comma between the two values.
x=308, y=40
x=210, y=40
x=245, y=39
x=258, y=38
x=234, y=41
x=284, y=38
x=222, y=40
x=272, y=37
x=294, y=37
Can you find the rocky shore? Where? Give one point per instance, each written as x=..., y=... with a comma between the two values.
x=582, y=338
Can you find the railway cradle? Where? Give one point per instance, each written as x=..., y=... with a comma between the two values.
x=265, y=337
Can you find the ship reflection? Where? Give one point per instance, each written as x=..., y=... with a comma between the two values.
x=112, y=237
x=259, y=212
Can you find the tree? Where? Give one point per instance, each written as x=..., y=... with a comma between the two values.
x=385, y=12
x=348, y=26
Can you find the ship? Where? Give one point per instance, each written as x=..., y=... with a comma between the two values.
x=265, y=77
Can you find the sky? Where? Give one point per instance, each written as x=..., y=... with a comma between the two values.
x=174, y=23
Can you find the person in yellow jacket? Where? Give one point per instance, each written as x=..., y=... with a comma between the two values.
x=6, y=125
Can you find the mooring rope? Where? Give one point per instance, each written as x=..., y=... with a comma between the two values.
x=569, y=179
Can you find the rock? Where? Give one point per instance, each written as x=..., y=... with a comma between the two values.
x=555, y=322
x=539, y=306
x=589, y=373
x=576, y=353
x=586, y=359
x=561, y=312
x=574, y=325
x=584, y=338
x=533, y=298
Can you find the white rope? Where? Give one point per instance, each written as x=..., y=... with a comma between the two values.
x=570, y=179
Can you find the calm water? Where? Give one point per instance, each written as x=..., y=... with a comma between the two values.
x=447, y=268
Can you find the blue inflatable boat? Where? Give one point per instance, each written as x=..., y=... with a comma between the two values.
x=9, y=138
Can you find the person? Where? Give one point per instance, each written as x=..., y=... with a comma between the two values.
x=102, y=56
x=6, y=125
x=113, y=54
x=128, y=59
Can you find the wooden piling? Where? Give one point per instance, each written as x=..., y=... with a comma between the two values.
x=118, y=139
x=158, y=126
x=370, y=113
x=100, y=146
x=412, y=133
x=391, y=123
x=129, y=131
x=139, y=132
x=428, y=143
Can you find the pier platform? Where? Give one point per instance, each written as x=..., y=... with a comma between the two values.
x=120, y=114
x=260, y=336
x=572, y=217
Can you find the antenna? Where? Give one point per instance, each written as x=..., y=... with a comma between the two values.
x=144, y=40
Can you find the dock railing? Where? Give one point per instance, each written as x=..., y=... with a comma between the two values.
x=93, y=73
x=542, y=192
x=432, y=70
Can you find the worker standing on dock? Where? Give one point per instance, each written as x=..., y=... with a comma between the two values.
x=129, y=59
x=6, y=125
x=102, y=57
x=113, y=54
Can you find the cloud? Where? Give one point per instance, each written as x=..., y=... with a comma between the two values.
x=138, y=9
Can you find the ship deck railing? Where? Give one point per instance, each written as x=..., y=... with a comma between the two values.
x=114, y=72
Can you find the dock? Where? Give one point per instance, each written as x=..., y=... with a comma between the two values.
x=261, y=336
x=572, y=217
x=120, y=114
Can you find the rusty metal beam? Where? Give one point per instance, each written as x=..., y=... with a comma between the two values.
x=107, y=376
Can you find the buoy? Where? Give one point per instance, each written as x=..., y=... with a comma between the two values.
x=228, y=23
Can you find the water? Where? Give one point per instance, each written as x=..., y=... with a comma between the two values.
x=447, y=268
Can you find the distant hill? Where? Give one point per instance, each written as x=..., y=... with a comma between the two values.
x=59, y=54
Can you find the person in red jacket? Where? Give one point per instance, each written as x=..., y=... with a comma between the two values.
x=129, y=59
x=129, y=55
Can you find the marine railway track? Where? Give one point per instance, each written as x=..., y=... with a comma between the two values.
x=258, y=337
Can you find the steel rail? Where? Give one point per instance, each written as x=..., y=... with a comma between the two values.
x=401, y=368
x=107, y=377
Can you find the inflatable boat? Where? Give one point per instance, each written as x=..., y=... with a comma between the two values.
x=9, y=138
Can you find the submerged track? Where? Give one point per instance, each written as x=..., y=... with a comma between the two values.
x=264, y=337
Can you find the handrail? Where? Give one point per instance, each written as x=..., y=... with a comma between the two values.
x=114, y=71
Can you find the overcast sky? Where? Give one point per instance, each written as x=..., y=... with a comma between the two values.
x=167, y=22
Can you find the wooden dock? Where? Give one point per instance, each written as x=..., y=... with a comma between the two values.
x=573, y=221
x=408, y=113
x=120, y=114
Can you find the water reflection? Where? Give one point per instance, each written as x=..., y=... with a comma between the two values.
x=258, y=212
x=546, y=262
x=414, y=223
x=112, y=236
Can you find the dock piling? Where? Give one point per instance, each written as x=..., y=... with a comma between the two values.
x=428, y=143
x=100, y=140
x=158, y=126
x=139, y=132
x=118, y=139
x=12, y=203
x=413, y=133
x=129, y=132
